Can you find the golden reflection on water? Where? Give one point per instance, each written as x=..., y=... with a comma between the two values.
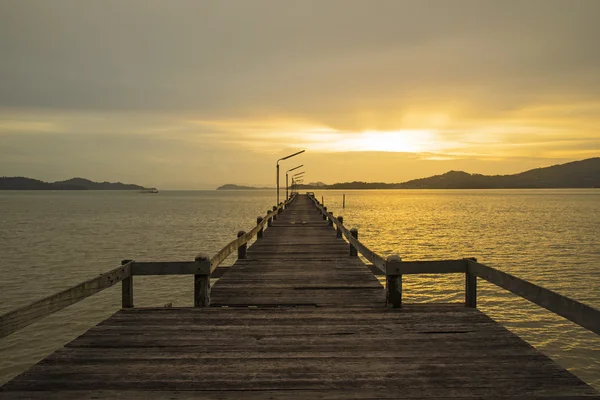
x=548, y=237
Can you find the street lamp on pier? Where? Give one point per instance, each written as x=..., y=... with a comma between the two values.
x=296, y=178
x=281, y=159
x=286, y=179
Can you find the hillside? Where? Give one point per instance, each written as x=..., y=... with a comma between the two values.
x=576, y=174
x=87, y=184
x=21, y=183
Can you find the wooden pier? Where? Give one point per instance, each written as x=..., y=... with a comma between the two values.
x=299, y=316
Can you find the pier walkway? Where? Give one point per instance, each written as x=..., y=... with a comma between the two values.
x=296, y=317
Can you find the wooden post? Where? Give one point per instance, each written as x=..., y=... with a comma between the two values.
x=339, y=231
x=354, y=233
x=470, y=286
x=344, y=201
x=324, y=213
x=269, y=219
x=260, y=232
x=242, y=248
x=127, y=289
x=202, y=283
x=330, y=220
x=393, y=284
x=322, y=200
x=274, y=213
x=281, y=209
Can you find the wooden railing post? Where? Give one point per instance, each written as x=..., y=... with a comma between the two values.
x=339, y=230
x=127, y=289
x=324, y=213
x=393, y=282
x=274, y=213
x=269, y=219
x=260, y=232
x=470, y=286
x=281, y=209
x=202, y=283
x=354, y=233
x=242, y=248
x=330, y=220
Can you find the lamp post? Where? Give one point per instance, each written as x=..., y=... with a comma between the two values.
x=281, y=159
x=296, y=178
x=286, y=179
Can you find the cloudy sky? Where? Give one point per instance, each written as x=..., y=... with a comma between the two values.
x=194, y=94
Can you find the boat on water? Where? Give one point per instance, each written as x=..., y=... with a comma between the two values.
x=153, y=190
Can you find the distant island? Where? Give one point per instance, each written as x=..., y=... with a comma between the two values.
x=576, y=174
x=231, y=186
x=20, y=183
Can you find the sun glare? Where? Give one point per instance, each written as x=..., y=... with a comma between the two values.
x=401, y=141
x=408, y=141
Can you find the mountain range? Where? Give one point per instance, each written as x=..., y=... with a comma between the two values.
x=576, y=174
x=20, y=183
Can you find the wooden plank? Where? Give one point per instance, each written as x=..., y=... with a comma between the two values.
x=421, y=352
x=335, y=367
x=470, y=290
x=24, y=316
x=298, y=394
x=170, y=268
x=579, y=313
x=127, y=289
x=393, y=285
x=426, y=267
x=440, y=383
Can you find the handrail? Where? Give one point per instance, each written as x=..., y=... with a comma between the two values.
x=369, y=254
x=572, y=310
x=26, y=315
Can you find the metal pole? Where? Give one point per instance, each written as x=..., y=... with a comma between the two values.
x=281, y=159
x=277, y=182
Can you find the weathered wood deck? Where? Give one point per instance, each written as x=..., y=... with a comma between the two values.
x=303, y=319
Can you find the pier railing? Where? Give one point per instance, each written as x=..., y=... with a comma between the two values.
x=394, y=268
x=203, y=268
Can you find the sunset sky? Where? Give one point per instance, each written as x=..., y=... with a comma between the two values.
x=195, y=94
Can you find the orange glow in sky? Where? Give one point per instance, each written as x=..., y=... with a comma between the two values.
x=403, y=141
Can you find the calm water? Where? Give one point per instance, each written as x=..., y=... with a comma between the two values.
x=50, y=241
